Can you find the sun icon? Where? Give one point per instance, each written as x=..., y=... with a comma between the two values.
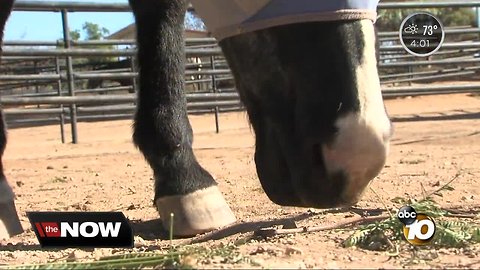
x=411, y=29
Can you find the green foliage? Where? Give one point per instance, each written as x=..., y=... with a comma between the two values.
x=456, y=234
x=91, y=31
x=376, y=236
x=457, y=16
x=384, y=234
x=177, y=258
x=390, y=19
x=75, y=35
x=94, y=32
x=137, y=260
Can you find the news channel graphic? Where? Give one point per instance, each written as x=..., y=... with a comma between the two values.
x=81, y=229
x=418, y=228
x=421, y=34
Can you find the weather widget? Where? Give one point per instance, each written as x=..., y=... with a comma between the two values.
x=421, y=34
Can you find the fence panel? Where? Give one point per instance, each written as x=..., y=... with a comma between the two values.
x=62, y=94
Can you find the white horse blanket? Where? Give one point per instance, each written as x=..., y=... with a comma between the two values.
x=226, y=18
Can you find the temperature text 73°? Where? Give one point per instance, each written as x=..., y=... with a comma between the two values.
x=428, y=29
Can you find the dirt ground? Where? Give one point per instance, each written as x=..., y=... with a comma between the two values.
x=435, y=138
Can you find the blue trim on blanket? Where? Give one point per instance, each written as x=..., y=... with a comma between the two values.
x=225, y=18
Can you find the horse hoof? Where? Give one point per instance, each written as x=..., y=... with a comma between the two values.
x=195, y=213
x=9, y=222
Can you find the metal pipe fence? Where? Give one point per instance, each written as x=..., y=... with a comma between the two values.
x=99, y=99
x=98, y=52
x=445, y=46
x=68, y=101
x=430, y=4
x=448, y=31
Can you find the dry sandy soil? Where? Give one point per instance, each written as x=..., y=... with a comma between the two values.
x=435, y=138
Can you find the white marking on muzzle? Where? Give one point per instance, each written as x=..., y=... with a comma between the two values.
x=361, y=146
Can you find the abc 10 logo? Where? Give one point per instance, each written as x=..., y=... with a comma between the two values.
x=418, y=228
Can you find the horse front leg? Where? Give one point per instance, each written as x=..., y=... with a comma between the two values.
x=162, y=130
x=9, y=222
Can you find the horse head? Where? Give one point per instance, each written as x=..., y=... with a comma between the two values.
x=307, y=74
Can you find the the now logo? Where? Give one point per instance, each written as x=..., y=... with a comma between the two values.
x=81, y=229
x=77, y=229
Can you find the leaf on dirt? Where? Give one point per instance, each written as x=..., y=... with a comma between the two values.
x=58, y=179
x=399, y=200
x=449, y=188
x=293, y=250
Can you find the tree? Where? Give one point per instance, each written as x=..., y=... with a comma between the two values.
x=90, y=31
x=390, y=19
x=75, y=35
x=94, y=32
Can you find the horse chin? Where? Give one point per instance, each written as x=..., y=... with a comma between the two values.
x=324, y=175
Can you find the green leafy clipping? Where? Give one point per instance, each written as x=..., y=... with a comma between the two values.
x=381, y=235
x=174, y=258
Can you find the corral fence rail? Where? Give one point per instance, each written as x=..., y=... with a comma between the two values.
x=58, y=99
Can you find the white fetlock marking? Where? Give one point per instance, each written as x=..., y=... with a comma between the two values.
x=198, y=212
x=3, y=231
x=6, y=192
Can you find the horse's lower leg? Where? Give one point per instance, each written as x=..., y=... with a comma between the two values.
x=162, y=130
x=9, y=221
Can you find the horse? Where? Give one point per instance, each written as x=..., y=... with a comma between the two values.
x=109, y=66
x=306, y=73
x=193, y=64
